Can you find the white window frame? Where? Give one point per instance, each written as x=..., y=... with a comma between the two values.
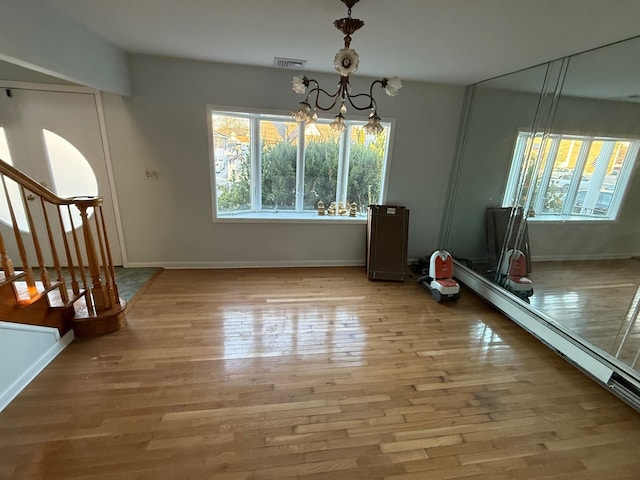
x=596, y=183
x=256, y=213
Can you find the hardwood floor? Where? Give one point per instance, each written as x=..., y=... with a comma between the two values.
x=591, y=298
x=313, y=374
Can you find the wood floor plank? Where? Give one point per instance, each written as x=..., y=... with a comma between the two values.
x=313, y=374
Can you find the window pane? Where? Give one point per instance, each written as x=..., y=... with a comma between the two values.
x=616, y=163
x=562, y=174
x=538, y=150
x=321, y=153
x=593, y=157
x=597, y=200
x=232, y=157
x=366, y=161
x=279, y=142
x=528, y=174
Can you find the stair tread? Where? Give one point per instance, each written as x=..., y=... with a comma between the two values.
x=55, y=298
x=25, y=296
x=4, y=278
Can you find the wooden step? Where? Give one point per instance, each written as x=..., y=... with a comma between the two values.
x=45, y=306
x=40, y=313
x=4, y=278
x=42, y=306
x=56, y=301
x=27, y=296
x=88, y=323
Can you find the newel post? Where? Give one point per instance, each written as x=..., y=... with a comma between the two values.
x=101, y=300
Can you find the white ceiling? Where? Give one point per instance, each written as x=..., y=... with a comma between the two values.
x=449, y=41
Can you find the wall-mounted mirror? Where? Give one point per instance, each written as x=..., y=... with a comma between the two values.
x=545, y=192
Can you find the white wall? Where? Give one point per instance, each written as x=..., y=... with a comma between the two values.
x=10, y=71
x=162, y=126
x=24, y=351
x=35, y=35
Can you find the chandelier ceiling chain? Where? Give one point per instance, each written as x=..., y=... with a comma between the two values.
x=346, y=63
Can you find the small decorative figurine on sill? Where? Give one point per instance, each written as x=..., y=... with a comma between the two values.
x=354, y=209
x=332, y=209
x=341, y=209
x=320, y=208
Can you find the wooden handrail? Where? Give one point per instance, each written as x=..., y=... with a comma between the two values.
x=38, y=189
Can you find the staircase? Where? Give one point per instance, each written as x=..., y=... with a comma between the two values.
x=83, y=295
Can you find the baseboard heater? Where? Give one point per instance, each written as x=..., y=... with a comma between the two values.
x=623, y=388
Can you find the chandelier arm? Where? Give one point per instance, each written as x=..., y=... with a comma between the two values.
x=381, y=82
x=372, y=101
x=317, y=90
x=317, y=105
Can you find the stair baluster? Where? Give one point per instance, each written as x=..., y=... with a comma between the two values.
x=83, y=276
x=75, y=288
x=6, y=262
x=44, y=274
x=64, y=295
x=22, y=252
x=111, y=276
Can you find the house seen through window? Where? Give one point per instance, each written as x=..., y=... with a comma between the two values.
x=268, y=166
x=571, y=177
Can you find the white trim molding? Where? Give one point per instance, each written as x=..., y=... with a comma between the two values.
x=56, y=345
x=249, y=264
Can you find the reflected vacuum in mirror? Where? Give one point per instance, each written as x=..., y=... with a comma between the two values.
x=513, y=272
x=439, y=279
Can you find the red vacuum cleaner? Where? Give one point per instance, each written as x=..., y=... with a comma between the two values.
x=513, y=271
x=439, y=279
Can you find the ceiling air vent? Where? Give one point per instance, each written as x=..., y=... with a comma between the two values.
x=292, y=63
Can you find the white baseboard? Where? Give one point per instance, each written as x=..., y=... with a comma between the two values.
x=12, y=391
x=571, y=258
x=565, y=258
x=250, y=264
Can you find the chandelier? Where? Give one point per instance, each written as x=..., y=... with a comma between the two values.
x=346, y=63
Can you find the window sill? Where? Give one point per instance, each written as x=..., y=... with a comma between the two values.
x=287, y=217
x=569, y=219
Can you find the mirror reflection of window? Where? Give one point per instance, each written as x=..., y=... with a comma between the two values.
x=577, y=177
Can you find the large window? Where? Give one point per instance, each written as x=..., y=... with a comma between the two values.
x=570, y=177
x=268, y=166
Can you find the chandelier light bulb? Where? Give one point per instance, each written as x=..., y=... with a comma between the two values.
x=338, y=124
x=299, y=84
x=391, y=85
x=303, y=113
x=373, y=126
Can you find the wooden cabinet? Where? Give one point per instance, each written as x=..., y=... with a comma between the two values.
x=387, y=235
